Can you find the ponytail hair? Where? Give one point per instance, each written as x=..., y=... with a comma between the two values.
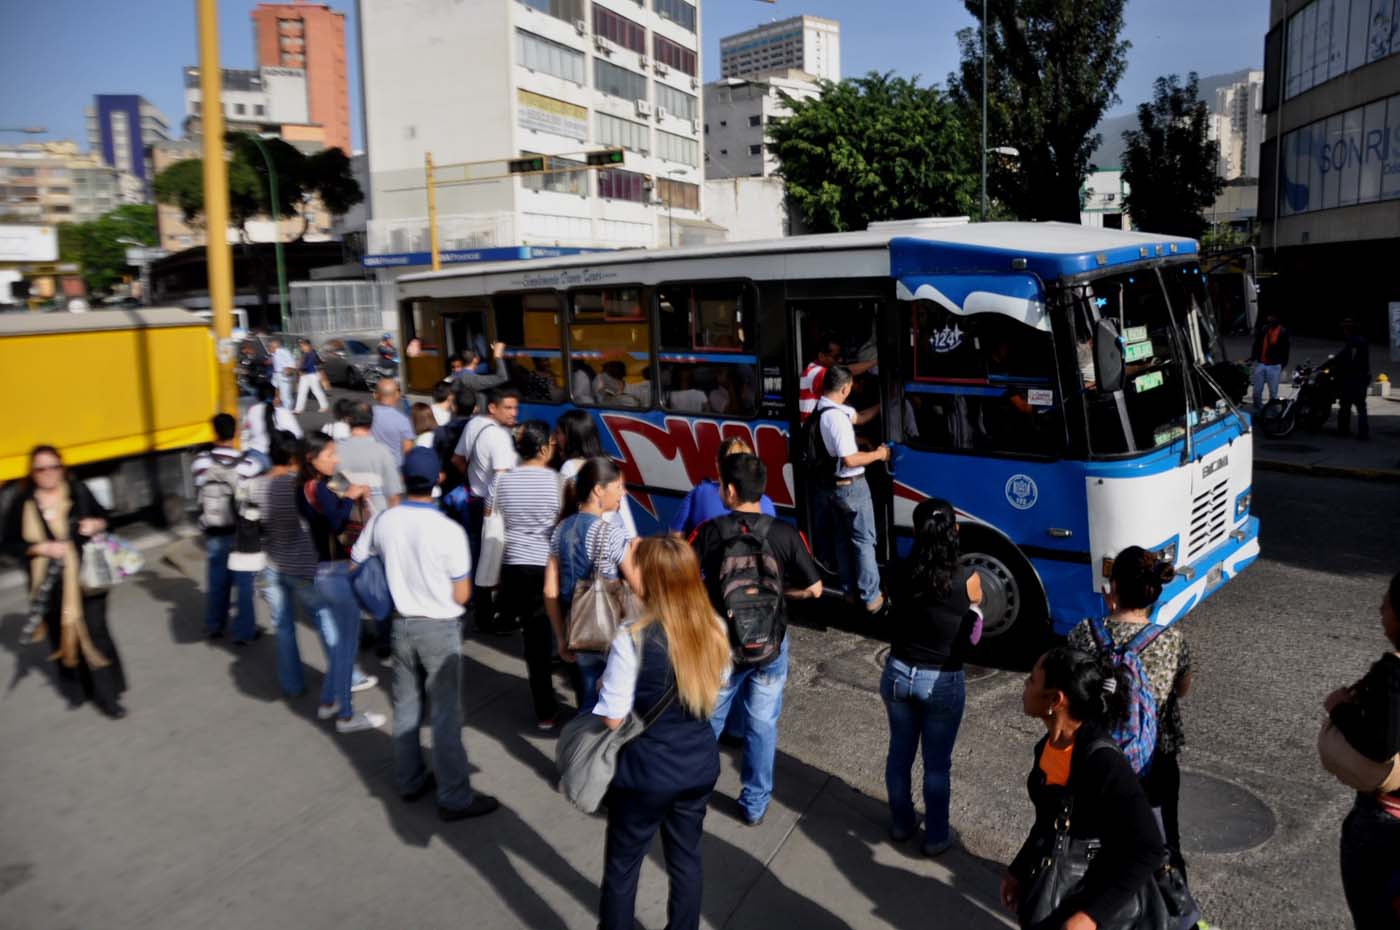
x=933, y=562
x=1095, y=691
x=1138, y=578
x=595, y=472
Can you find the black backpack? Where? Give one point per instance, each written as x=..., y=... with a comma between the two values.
x=445, y=439
x=810, y=455
x=751, y=588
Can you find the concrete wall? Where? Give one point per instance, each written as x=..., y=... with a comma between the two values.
x=750, y=208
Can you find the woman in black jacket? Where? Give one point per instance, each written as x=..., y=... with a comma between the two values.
x=47, y=525
x=1077, y=698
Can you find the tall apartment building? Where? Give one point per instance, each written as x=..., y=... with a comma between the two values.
x=1329, y=191
x=310, y=37
x=1237, y=126
x=803, y=43
x=54, y=182
x=497, y=79
x=738, y=112
x=121, y=130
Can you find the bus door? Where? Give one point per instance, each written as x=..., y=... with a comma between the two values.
x=464, y=328
x=854, y=330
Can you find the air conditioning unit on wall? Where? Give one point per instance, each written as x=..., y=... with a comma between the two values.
x=644, y=108
x=582, y=26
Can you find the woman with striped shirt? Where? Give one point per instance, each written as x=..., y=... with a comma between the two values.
x=528, y=498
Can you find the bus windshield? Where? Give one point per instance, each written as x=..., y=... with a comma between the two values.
x=1163, y=389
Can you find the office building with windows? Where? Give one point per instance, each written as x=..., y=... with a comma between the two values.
x=738, y=112
x=478, y=84
x=803, y=43
x=121, y=130
x=1237, y=126
x=310, y=37
x=54, y=182
x=259, y=100
x=1329, y=192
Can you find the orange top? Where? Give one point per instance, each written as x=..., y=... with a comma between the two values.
x=1055, y=764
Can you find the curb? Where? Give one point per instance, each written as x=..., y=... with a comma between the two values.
x=1384, y=475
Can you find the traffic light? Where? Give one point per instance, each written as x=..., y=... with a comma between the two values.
x=608, y=158
x=526, y=165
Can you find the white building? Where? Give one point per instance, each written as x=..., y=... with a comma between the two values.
x=264, y=95
x=485, y=82
x=803, y=43
x=1237, y=125
x=1101, y=200
x=738, y=112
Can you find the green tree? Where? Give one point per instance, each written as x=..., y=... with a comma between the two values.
x=97, y=245
x=182, y=185
x=1169, y=163
x=874, y=148
x=1054, y=67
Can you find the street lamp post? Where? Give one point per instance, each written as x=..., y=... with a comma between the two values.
x=276, y=231
x=984, y=112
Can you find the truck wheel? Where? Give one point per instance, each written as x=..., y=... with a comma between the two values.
x=1015, y=625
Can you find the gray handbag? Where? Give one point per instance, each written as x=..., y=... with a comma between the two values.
x=586, y=753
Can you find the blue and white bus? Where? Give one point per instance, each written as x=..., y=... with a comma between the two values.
x=1053, y=381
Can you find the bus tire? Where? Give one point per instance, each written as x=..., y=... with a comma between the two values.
x=1015, y=619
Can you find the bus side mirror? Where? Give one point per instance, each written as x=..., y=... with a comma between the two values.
x=1108, y=356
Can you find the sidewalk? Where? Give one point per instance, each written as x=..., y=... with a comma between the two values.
x=218, y=804
x=1324, y=452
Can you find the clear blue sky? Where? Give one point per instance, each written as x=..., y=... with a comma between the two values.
x=58, y=53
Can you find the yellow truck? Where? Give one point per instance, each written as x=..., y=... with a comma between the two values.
x=123, y=394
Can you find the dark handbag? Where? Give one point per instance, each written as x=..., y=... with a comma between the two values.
x=371, y=588
x=1171, y=883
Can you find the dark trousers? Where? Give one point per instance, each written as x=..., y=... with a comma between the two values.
x=1353, y=396
x=633, y=819
x=480, y=607
x=1162, y=783
x=522, y=603
x=1371, y=866
x=100, y=685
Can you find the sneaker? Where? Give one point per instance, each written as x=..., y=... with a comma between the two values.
x=364, y=720
x=364, y=683
x=257, y=635
x=933, y=850
x=327, y=711
x=754, y=821
x=547, y=725
x=875, y=606
x=899, y=835
x=481, y=805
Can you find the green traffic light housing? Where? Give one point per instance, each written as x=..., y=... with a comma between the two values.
x=608, y=158
x=526, y=165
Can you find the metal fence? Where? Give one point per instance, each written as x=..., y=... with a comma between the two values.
x=323, y=308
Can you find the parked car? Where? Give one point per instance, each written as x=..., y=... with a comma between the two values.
x=350, y=362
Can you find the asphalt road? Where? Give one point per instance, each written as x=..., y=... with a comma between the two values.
x=1260, y=819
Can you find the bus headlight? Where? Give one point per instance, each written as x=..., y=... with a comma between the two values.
x=1242, y=503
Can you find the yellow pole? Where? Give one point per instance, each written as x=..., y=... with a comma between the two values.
x=432, y=210
x=216, y=250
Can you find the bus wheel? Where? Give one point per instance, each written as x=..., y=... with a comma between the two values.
x=1014, y=621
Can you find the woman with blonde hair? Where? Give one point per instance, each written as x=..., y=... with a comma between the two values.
x=667, y=668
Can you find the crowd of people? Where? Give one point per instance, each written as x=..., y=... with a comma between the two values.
x=702, y=649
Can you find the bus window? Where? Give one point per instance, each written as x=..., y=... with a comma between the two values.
x=423, y=321
x=610, y=348
x=529, y=326
x=982, y=383
x=707, y=360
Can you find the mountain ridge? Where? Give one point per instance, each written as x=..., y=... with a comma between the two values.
x=1109, y=154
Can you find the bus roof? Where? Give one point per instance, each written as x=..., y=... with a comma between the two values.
x=1051, y=250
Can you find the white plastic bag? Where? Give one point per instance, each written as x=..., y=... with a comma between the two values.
x=493, y=548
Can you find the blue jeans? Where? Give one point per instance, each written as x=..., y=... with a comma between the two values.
x=590, y=667
x=923, y=704
x=1371, y=865
x=339, y=620
x=221, y=582
x=283, y=593
x=428, y=657
x=762, y=703
x=852, y=511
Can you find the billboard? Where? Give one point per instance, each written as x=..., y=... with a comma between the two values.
x=28, y=243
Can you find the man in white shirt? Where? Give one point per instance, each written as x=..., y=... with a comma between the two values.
x=847, y=499
x=428, y=569
x=284, y=371
x=486, y=449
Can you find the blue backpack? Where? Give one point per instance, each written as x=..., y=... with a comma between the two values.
x=1136, y=733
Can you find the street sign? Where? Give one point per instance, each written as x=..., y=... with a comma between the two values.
x=28, y=243
x=138, y=255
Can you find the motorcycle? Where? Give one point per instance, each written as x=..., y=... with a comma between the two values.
x=383, y=368
x=1314, y=392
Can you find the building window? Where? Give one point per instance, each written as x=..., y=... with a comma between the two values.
x=678, y=195
x=1328, y=38
x=672, y=147
x=540, y=54
x=756, y=120
x=239, y=109
x=1341, y=160
x=724, y=153
x=610, y=347
x=756, y=149
x=568, y=10
x=259, y=110
x=677, y=11
x=673, y=55
x=618, y=82
x=676, y=102
x=560, y=182
x=616, y=184
x=619, y=29
x=613, y=131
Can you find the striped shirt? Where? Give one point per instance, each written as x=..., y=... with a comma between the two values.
x=286, y=537
x=809, y=389
x=528, y=498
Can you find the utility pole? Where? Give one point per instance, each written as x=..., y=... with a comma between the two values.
x=432, y=211
x=274, y=200
x=218, y=259
x=984, y=112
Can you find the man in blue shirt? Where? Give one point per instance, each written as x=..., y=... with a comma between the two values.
x=705, y=502
x=391, y=428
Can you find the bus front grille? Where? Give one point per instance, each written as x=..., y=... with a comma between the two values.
x=1209, y=520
